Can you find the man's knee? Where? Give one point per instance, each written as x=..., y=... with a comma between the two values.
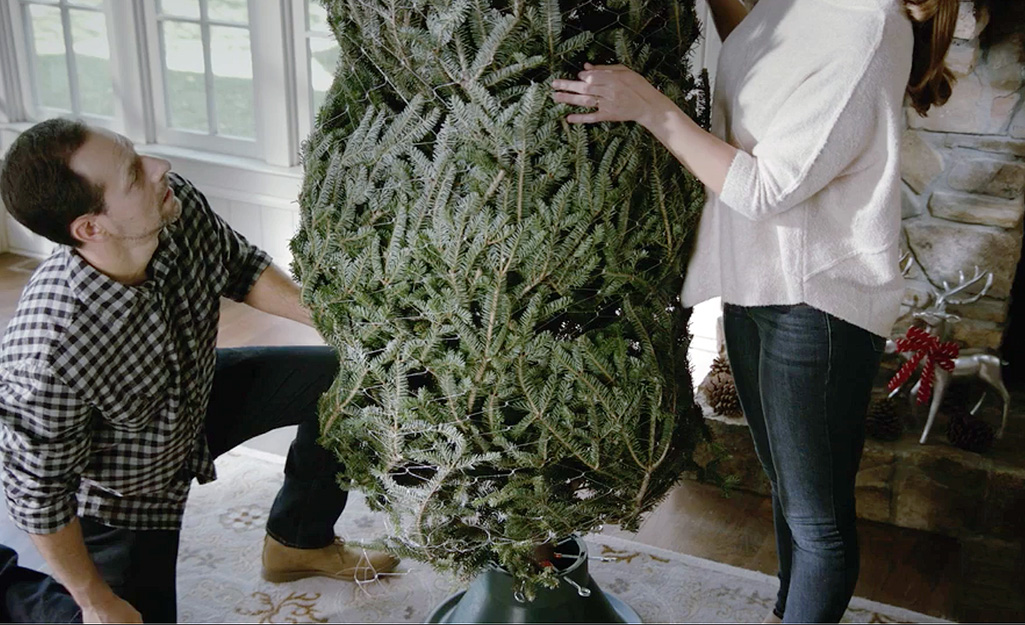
x=317, y=362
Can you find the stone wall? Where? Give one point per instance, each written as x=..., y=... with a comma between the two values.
x=964, y=172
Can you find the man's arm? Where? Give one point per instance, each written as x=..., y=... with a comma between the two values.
x=275, y=293
x=726, y=14
x=45, y=444
x=67, y=555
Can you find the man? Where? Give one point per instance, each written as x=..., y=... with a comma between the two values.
x=113, y=396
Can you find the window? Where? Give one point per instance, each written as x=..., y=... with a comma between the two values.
x=202, y=74
x=207, y=65
x=68, y=58
x=239, y=77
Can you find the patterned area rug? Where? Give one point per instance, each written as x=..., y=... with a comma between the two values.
x=219, y=569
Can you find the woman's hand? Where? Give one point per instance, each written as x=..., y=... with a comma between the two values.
x=618, y=94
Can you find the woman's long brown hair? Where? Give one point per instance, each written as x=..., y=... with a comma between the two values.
x=931, y=81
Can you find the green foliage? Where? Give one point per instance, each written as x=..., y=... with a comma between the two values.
x=502, y=287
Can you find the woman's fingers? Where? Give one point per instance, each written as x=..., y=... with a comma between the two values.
x=604, y=68
x=605, y=85
x=575, y=99
x=575, y=86
x=586, y=118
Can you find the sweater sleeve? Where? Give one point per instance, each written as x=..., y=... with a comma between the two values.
x=823, y=127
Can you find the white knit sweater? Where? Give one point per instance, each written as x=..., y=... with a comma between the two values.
x=811, y=93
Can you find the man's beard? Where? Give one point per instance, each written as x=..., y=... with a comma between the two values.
x=166, y=220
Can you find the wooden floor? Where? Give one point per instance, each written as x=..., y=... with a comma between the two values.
x=901, y=567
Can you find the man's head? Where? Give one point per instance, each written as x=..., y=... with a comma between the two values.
x=78, y=185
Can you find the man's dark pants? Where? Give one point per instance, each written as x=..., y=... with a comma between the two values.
x=255, y=390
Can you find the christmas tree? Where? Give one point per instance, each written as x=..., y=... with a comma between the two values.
x=502, y=287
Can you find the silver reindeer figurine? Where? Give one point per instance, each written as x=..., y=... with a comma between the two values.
x=971, y=362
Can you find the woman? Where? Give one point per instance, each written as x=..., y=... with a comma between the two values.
x=800, y=238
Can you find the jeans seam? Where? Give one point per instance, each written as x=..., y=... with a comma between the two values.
x=829, y=437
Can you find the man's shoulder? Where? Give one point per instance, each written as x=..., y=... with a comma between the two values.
x=192, y=198
x=49, y=291
x=46, y=306
x=196, y=212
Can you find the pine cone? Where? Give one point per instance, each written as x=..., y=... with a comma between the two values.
x=959, y=398
x=969, y=433
x=720, y=365
x=722, y=395
x=882, y=422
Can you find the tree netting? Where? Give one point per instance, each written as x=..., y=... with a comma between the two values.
x=502, y=287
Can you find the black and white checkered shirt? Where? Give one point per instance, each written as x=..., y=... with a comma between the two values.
x=104, y=387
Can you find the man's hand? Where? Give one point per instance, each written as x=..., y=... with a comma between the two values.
x=112, y=610
x=66, y=553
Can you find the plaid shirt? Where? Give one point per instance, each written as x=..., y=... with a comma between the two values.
x=104, y=387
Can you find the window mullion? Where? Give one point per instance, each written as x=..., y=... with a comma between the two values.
x=303, y=58
x=199, y=20
x=25, y=33
x=208, y=71
x=70, y=60
x=274, y=82
x=11, y=90
x=133, y=105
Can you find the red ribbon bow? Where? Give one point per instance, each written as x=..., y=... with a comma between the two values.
x=927, y=346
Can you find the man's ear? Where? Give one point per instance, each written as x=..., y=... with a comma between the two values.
x=85, y=229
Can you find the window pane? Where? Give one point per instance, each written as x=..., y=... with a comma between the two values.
x=323, y=58
x=317, y=17
x=232, y=63
x=51, y=64
x=89, y=3
x=92, y=56
x=183, y=8
x=229, y=11
x=184, y=76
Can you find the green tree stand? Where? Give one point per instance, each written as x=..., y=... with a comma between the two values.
x=493, y=598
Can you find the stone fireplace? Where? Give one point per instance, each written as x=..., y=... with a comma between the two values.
x=964, y=172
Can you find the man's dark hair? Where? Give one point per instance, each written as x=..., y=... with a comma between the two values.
x=38, y=186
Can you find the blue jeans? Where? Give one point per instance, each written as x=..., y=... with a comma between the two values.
x=804, y=378
x=255, y=390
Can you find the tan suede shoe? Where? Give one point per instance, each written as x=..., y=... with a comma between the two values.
x=286, y=564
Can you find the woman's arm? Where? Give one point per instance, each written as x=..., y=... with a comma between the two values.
x=726, y=14
x=828, y=125
x=620, y=94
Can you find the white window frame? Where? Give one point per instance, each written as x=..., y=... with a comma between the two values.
x=274, y=139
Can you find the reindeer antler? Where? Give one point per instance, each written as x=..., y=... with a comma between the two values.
x=946, y=296
x=906, y=259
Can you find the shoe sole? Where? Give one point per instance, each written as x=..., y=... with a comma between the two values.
x=291, y=576
x=280, y=577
